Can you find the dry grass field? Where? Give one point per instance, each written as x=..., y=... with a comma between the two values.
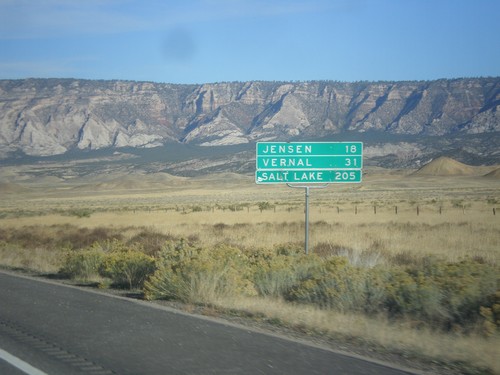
x=390, y=212
x=393, y=218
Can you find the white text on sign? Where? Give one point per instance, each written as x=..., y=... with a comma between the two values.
x=308, y=176
x=286, y=149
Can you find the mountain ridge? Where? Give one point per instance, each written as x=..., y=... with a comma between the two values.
x=46, y=117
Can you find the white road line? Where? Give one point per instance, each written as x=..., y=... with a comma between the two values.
x=20, y=364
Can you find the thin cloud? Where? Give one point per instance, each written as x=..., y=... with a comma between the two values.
x=42, y=68
x=18, y=69
x=49, y=18
x=53, y=18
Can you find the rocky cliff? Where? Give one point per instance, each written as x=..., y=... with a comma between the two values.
x=52, y=116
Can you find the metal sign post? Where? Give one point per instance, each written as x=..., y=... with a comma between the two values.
x=309, y=164
x=306, y=188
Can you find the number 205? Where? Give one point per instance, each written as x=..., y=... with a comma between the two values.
x=345, y=176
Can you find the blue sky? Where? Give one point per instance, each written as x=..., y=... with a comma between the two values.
x=199, y=41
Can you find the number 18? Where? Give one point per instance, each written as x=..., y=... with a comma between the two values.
x=350, y=149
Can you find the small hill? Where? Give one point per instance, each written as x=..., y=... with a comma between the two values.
x=495, y=174
x=444, y=166
x=223, y=177
x=135, y=181
x=11, y=188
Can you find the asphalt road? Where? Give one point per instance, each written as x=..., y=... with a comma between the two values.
x=66, y=330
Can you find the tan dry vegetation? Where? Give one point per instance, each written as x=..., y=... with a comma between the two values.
x=455, y=214
x=38, y=259
x=391, y=212
x=455, y=233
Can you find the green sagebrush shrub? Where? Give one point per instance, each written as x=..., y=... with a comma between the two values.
x=275, y=271
x=198, y=275
x=334, y=283
x=82, y=264
x=126, y=266
x=447, y=294
x=491, y=314
x=439, y=294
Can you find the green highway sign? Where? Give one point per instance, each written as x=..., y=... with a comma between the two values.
x=309, y=148
x=308, y=176
x=308, y=162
